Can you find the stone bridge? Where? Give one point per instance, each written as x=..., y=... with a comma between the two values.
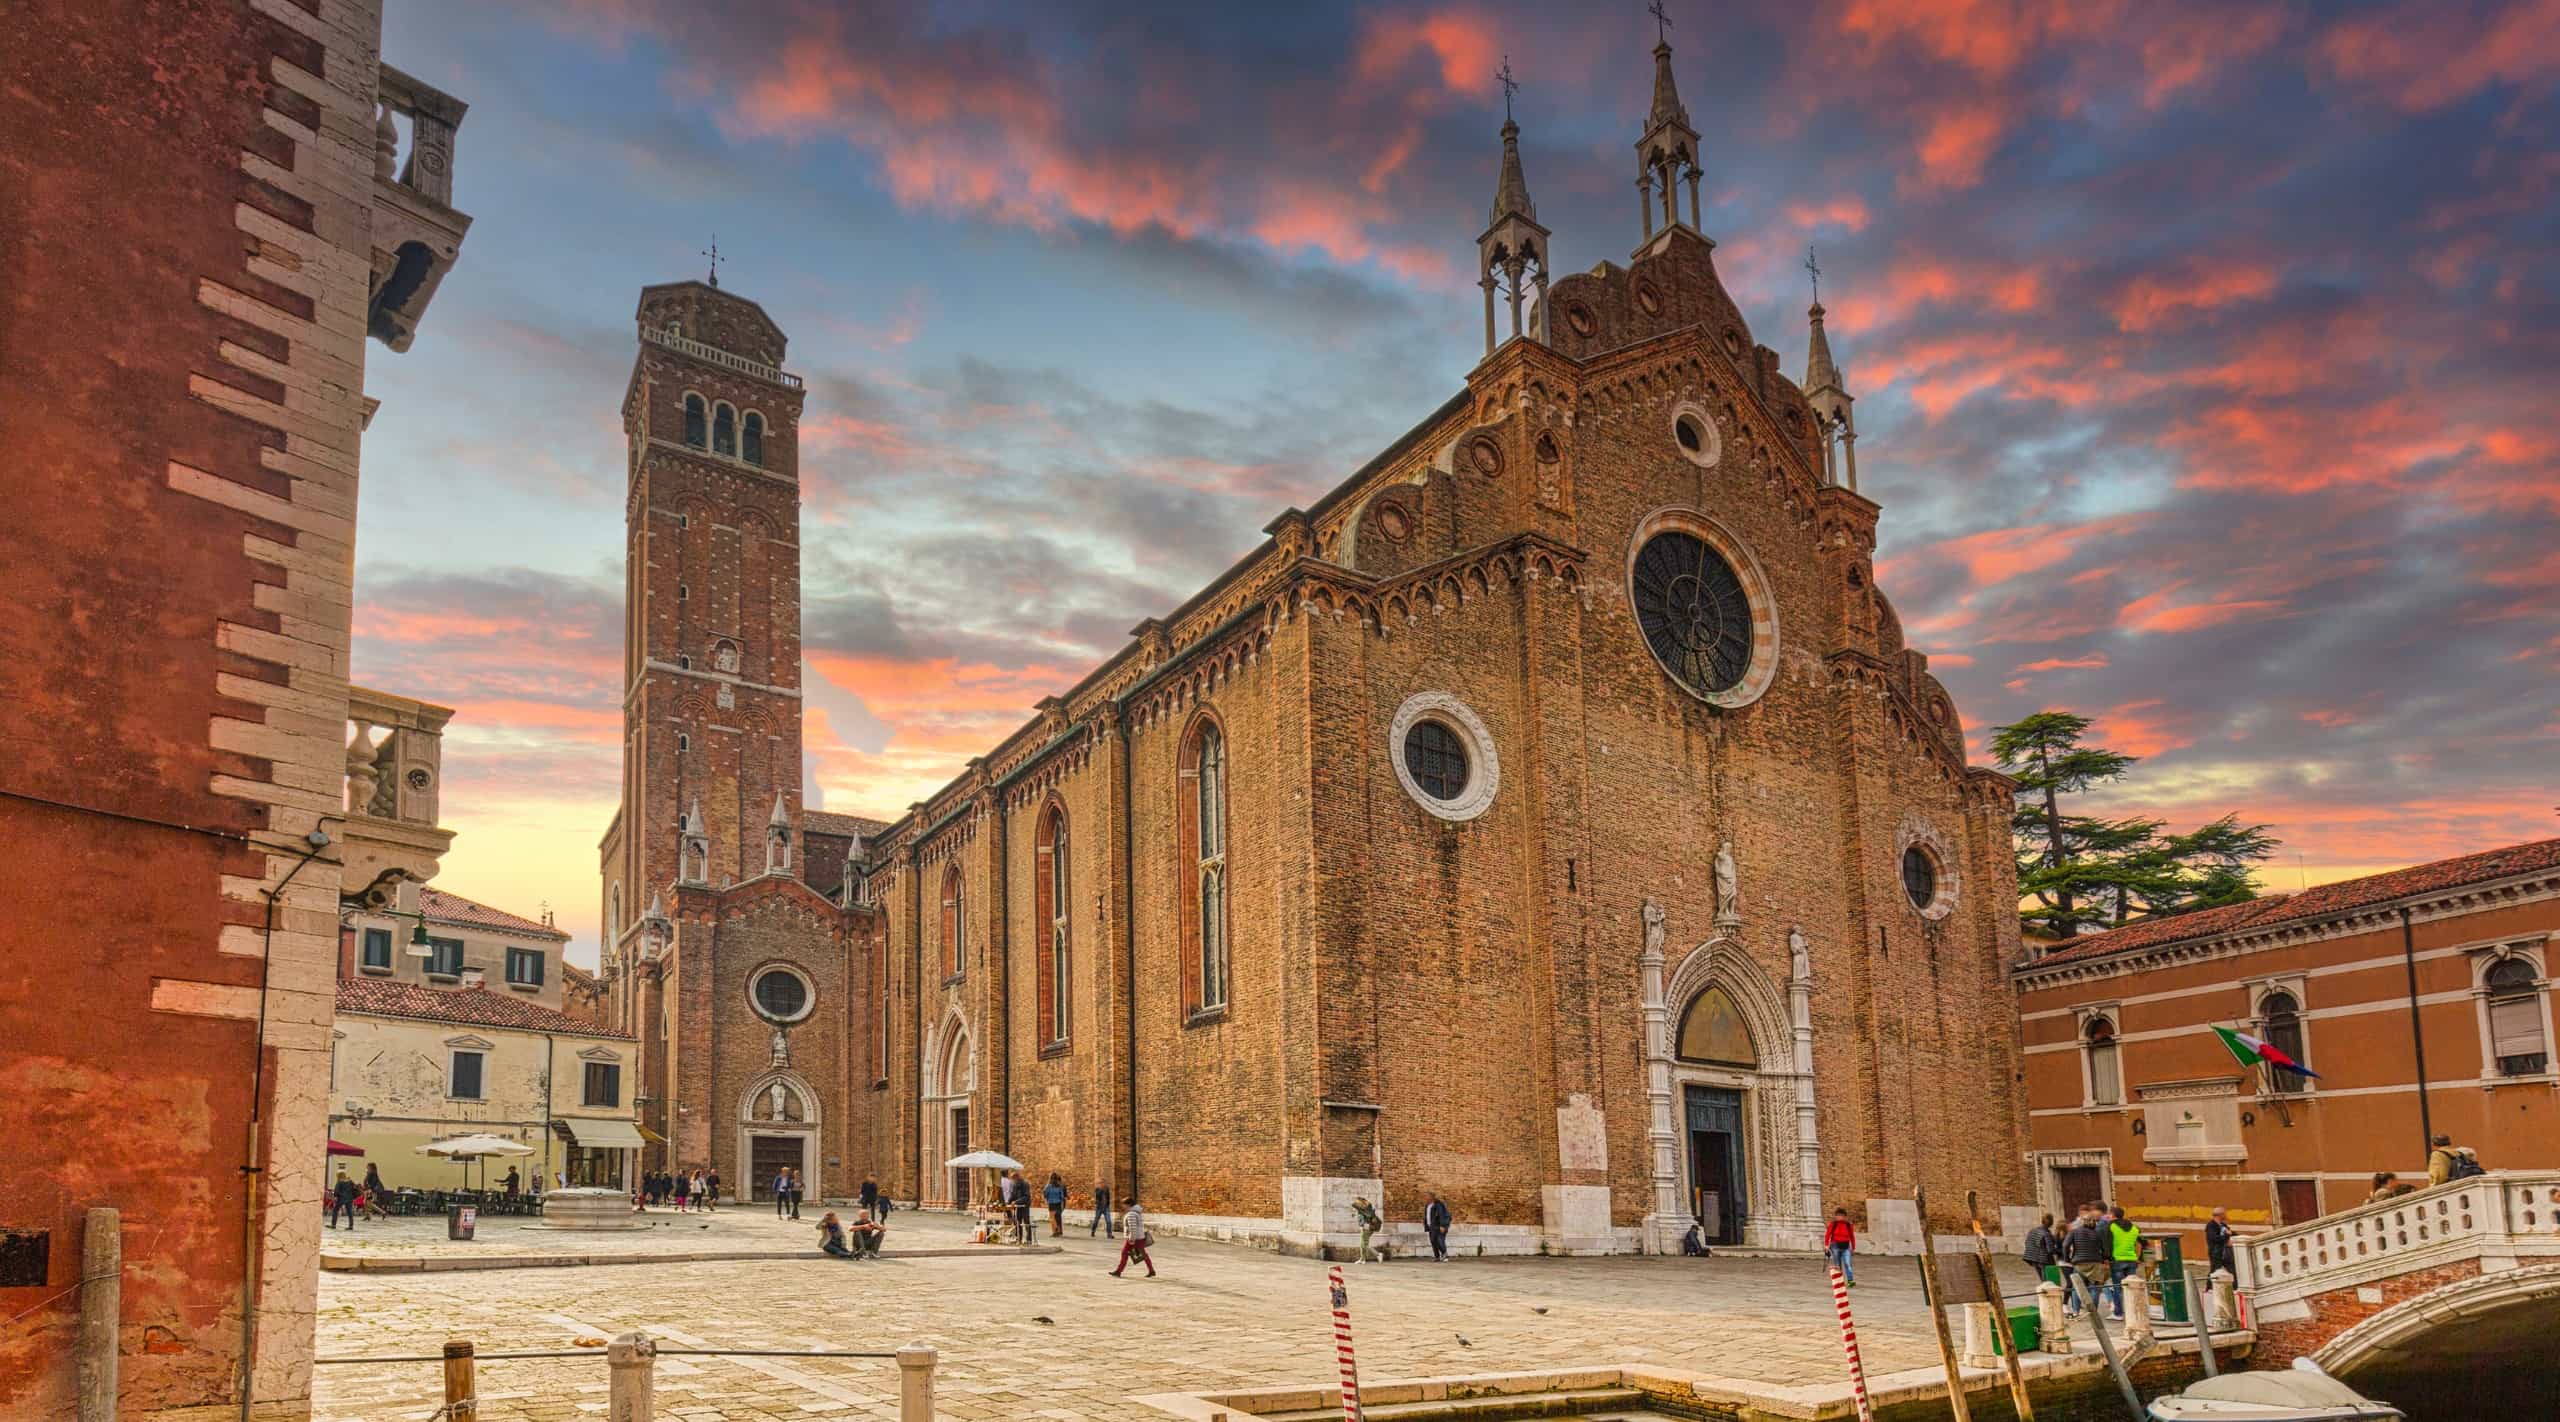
x=2435, y=1288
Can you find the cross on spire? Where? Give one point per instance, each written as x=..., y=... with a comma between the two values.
x=1814, y=267
x=1510, y=86
x=713, y=252
x=1661, y=21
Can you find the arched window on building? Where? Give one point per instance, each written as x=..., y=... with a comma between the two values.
x=751, y=444
x=2280, y=1023
x=695, y=413
x=1051, y=912
x=955, y=926
x=2106, y=1072
x=724, y=429
x=1201, y=815
x=2516, y=1041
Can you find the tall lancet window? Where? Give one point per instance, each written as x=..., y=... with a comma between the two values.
x=724, y=429
x=1053, y=912
x=694, y=415
x=1202, y=813
x=751, y=448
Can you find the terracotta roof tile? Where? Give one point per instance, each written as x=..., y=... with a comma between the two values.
x=2322, y=901
x=442, y=907
x=849, y=826
x=474, y=1007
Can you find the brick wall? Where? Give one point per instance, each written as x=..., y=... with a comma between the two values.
x=2279, y=1343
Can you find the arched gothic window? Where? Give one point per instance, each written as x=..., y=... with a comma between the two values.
x=1201, y=816
x=751, y=447
x=2106, y=1074
x=2280, y=1021
x=1052, y=913
x=724, y=429
x=694, y=415
x=2515, y=1018
x=1712, y=1031
x=955, y=926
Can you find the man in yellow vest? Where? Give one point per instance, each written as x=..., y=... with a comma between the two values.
x=2124, y=1257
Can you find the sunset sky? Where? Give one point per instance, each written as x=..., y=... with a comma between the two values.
x=2204, y=356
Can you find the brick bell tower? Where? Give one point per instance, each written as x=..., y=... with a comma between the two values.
x=711, y=613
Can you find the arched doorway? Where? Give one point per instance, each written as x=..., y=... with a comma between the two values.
x=951, y=1074
x=778, y=1127
x=1729, y=1076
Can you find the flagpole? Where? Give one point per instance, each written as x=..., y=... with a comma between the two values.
x=2417, y=1034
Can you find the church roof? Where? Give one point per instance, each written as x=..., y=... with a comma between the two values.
x=469, y=1007
x=2324, y=901
x=846, y=826
x=442, y=907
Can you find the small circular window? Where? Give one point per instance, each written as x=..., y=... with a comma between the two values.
x=1579, y=320
x=1436, y=759
x=1444, y=756
x=781, y=995
x=1695, y=434
x=1919, y=877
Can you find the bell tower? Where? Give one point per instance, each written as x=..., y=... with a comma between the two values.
x=1668, y=152
x=1514, y=246
x=711, y=629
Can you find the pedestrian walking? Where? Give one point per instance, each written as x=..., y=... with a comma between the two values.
x=2085, y=1250
x=2218, y=1254
x=1370, y=1224
x=2044, y=1250
x=682, y=1190
x=1054, y=1194
x=514, y=1183
x=782, y=1192
x=1021, y=1188
x=709, y=1192
x=870, y=1196
x=1839, y=1242
x=342, y=1200
x=799, y=1190
x=1435, y=1224
x=1102, y=1212
x=373, y=1193
x=2124, y=1257
x=1134, y=1240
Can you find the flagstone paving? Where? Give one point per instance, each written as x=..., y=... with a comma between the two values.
x=1221, y=1317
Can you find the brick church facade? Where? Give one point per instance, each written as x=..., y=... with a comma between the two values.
x=1552, y=816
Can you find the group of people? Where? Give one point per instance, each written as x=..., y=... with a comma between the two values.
x=2445, y=1161
x=859, y=1240
x=2104, y=1248
x=352, y=1200
x=696, y=1189
x=1436, y=1222
x=788, y=1187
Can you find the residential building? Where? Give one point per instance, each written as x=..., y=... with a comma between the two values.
x=2132, y=1097
x=213, y=207
x=446, y=937
x=411, y=1064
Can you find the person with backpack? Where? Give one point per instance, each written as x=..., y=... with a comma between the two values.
x=1839, y=1241
x=1370, y=1224
x=2451, y=1162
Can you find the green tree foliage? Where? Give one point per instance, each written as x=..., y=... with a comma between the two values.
x=2079, y=873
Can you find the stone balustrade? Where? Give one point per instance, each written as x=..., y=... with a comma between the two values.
x=2501, y=1219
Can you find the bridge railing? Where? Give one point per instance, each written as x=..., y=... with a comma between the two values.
x=2501, y=1219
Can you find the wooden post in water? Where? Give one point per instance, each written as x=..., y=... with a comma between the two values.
x=1937, y=1311
x=2026, y=1410
x=461, y=1391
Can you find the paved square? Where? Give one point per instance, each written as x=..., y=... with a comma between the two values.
x=1220, y=1317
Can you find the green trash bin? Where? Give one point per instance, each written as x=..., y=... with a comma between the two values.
x=2026, y=1329
x=2166, y=1283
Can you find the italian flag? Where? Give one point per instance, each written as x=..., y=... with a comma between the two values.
x=2250, y=1051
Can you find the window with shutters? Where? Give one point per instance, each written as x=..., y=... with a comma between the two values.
x=444, y=957
x=463, y=1083
x=2518, y=1044
x=604, y=1084
x=1200, y=813
x=524, y=967
x=2280, y=1024
x=1051, y=913
x=377, y=950
x=2106, y=1070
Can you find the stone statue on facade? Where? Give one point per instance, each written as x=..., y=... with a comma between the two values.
x=1652, y=930
x=1728, y=886
x=781, y=1058
x=1799, y=956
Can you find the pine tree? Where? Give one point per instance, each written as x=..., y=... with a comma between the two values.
x=2082, y=873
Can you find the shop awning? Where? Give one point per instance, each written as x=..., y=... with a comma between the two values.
x=596, y=1133
x=652, y=1137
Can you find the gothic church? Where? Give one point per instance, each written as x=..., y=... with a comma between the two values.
x=1552, y=816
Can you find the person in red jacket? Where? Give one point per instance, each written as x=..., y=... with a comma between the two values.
x=1837, y=1243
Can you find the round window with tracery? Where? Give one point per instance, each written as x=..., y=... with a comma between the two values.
x=1694, y=613
x=781, y=995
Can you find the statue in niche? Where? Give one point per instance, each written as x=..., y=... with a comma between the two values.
x=727, y=657
x=1652, y=929
x=780, y=1099
x=1728, y=886
x=1799, y=956
x=781, y=1058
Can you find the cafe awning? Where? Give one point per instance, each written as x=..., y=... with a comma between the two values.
x=601, y=1133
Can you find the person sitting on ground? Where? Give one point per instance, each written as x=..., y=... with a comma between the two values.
x=1694, y=1243
x=831, y=1237
x=868, y=1232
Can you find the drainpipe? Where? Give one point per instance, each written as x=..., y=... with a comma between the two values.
x=2417, y=1033
x=250, y=1170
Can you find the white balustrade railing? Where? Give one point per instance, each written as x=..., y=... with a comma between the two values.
x=703, y=350
x=2499, y=1218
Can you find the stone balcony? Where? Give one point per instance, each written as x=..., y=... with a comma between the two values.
x=417, y=234
x=395, y=774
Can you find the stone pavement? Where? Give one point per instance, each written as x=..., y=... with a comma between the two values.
x=1222, y=1317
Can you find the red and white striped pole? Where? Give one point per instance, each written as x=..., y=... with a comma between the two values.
x=1849, y=1345
x=1342, y=1346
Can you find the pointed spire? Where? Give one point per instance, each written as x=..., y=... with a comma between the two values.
x=1511, y=256
x=693, y=817
x=657, y=906
x=1511, y=191
x=781, y=818
x=1820, y=372
x=1667, y=109
x=1827, y=393
x=1667, y=154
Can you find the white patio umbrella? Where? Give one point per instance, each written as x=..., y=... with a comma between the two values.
x=465, y=1149
x=984, y=1160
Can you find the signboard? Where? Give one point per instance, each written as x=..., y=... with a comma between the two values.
x=1960, y=1275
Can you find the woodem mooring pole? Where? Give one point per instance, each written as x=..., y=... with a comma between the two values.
x=461, y=1391
x=1937, y=1311
x=101, y=1311
x=2007, y=1336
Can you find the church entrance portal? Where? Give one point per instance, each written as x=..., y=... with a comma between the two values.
x=1718, y=1177
x=770, y=1156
